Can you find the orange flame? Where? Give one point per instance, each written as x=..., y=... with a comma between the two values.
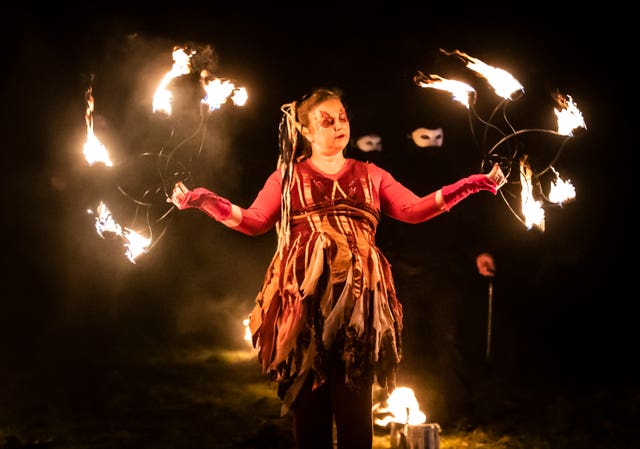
x=502, y=82
x=181, y=66
x=561, y=190
x=93, y=150
x=135, y=243
x=402, y=407
x=459, y=90
x=218, y=91
x=531, y=209
x=569, y=116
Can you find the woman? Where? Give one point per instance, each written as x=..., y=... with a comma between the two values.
x=327, y=322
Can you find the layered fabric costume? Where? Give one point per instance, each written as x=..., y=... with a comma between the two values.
x=330, y=292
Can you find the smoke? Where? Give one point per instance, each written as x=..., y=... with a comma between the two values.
x=75, y=285
x=213, y=322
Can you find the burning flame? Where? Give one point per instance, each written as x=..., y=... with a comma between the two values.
x=459, y=90
x=135, y=243
x=247, y=331
x=181, y=66
x=105, y=224
x=561, y=190
x=531, y=209
x=569, y=116
x=93, y=150
x=218, y=91
x=502, y=82
x=402, y=407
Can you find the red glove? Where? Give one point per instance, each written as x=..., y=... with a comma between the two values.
x=213, y=205
x=456, y=192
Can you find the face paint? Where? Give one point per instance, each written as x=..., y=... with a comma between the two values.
x=424, y=137
x=369, y=142
x=323, y=119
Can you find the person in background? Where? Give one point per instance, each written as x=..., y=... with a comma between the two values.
x=327, y=323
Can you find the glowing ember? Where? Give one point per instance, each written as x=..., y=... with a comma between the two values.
x=459, y=90
x=502, y=82
x=569, y=116
x=181, y=66
x=531, y=209
x=93, y=150
x=402, y=407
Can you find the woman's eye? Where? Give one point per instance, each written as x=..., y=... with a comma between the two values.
x=326, y=123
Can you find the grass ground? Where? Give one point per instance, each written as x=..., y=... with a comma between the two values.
x=219, y=400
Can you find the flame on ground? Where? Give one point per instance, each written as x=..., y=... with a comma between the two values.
x=401, y=407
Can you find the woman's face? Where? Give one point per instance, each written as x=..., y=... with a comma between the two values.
x=328, y=130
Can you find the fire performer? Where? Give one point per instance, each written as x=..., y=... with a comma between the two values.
x=327, y=322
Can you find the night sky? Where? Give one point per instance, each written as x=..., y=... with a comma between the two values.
x=562, y=303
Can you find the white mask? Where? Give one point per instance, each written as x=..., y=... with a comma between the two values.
x=369, y=142
x=424, y=137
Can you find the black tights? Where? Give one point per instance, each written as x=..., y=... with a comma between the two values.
x=314, y=412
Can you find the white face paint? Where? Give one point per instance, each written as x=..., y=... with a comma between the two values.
x=369, y=142
x=424, y=137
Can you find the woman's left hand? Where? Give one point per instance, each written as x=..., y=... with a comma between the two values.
x=497, y=176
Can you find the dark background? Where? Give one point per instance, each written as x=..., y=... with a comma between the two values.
x=73, y=305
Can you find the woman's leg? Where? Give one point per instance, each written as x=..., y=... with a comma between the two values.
x=353, y=414
x=312, y=417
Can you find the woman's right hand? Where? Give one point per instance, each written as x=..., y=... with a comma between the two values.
x=213, y=205
x=178, y=195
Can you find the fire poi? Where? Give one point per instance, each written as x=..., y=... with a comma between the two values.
x=506, y=150
x=171, y=166
x=534, y=197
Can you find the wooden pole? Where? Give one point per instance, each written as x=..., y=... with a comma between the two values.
x=489, y=317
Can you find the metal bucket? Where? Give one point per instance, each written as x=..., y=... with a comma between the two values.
x=419, y=436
